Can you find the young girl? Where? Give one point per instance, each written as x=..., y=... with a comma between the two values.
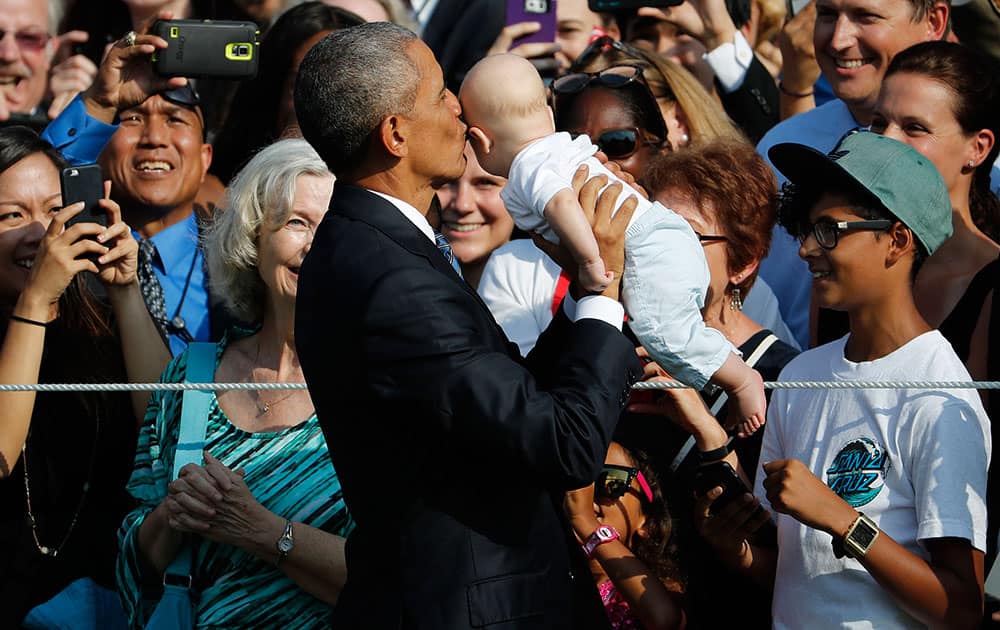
x=624, y=527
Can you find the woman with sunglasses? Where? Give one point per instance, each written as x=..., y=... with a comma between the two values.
x=689, y=112
x=665, y=275
x=625, y=528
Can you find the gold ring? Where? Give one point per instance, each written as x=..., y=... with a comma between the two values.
x=129, y=40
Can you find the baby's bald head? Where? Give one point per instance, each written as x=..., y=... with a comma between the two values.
x=504, y=98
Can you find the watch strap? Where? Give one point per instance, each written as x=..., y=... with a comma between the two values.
x=603, y=534
x=850, y=545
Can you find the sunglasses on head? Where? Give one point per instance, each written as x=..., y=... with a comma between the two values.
x=614, y=481
x=600, y=46
x=619, y=144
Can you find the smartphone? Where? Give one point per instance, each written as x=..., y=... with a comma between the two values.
x=720, y=474
x=541, y=11
x=206, y=48
x=84, y=183
x=616, y=5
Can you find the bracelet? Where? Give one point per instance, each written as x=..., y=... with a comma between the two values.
x=714, y=454
x=25, y=320
x=784, y=90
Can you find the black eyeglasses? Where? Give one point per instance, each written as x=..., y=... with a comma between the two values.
x=827, y=233
x=32, y=41
x=619, y=144
x=710, y=238
x=614, y=481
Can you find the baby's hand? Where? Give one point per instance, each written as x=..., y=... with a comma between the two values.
x=749, y=407
x=594, y=277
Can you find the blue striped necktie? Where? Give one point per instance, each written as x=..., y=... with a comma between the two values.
x=445, y=247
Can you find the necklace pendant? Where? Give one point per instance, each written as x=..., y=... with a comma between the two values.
x=45, y=551
x=266, y=408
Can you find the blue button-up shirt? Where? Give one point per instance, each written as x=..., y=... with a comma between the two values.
x=177, y=249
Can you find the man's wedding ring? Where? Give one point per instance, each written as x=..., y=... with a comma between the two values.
x=129, y=40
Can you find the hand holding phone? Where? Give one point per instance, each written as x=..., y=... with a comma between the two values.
x=720, y=474
x=84, y=183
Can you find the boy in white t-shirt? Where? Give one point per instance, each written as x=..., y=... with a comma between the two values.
x=879, y=493
x=665, y=278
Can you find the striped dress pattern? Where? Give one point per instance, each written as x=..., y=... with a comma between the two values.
x=289, y=472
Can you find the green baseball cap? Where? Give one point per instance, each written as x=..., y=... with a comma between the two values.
x=905, y=182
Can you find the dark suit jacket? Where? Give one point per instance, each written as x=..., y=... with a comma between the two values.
x=452, y=451
x=755, y=105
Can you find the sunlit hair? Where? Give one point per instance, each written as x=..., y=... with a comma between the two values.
x=260, y=195
x=670, y=83
x=730, y=180
x=974, y=82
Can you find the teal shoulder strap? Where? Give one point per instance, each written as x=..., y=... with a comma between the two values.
x=194, y=423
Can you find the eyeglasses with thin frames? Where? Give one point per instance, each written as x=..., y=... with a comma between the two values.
x=827, y=233
x=28, y=40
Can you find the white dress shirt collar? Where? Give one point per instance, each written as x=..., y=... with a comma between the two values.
x=411, y=213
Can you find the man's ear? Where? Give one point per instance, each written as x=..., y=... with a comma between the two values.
x=481, y=143
x=392, y=135
x=206, y=159
x=937, y=20
x=901, y=243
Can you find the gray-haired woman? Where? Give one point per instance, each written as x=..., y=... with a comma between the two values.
x=267, y=474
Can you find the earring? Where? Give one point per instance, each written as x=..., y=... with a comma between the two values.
x=971, y=163
x=736, y=300
x=685, y=139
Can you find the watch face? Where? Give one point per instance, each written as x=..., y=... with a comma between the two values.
x=863, y=535
x=605, y=533
x=285, y=545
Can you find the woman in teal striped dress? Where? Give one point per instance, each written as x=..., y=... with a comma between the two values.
x=267, y=475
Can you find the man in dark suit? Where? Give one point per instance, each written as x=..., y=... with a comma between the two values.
x=453, y=451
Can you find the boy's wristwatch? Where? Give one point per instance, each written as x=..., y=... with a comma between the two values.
x=860, y=537
x=603, y=534
x=285, y=543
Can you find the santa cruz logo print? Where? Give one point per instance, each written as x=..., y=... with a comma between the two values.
x=857, y=474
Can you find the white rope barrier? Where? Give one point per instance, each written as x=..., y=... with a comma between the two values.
x=150, y=387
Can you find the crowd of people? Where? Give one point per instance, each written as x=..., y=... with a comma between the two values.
x=469, y=249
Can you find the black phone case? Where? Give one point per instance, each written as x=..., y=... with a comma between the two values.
x=599, y=6
x=720, y=474
x=206, y=48
x=84, y=183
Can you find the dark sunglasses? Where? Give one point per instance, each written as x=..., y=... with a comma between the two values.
x=614, y=481
x=612, y=77
x=619, y=144
x=827, y=233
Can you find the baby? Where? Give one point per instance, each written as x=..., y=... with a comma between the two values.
x=666, y=277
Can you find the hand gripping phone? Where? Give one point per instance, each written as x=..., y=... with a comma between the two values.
x=206, y=48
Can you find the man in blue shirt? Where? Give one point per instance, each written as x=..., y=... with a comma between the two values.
x=156, y=159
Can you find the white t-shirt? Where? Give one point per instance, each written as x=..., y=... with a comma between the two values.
x=545, y=167
x=914, y=461
x=786, y=273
